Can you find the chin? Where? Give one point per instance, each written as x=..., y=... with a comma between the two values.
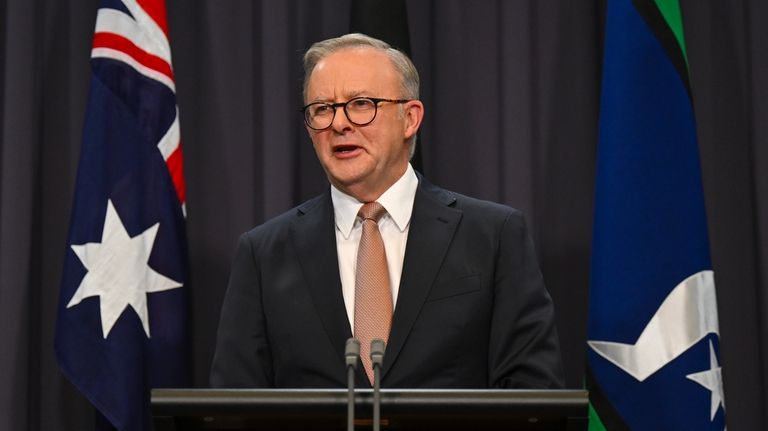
x=347, y=173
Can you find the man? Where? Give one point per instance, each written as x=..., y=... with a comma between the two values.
x=450, y=283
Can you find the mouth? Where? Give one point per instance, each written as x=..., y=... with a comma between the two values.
x=344, y=151
x=344, y=148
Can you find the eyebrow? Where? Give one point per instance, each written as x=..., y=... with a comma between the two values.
x=351, y=95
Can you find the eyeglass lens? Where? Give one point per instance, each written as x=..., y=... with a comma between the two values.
x=359, y=111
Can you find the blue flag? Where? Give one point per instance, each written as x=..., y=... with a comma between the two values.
x=653, y=355
x=121, y=327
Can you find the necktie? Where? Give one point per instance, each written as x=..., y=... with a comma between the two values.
x=373, y=298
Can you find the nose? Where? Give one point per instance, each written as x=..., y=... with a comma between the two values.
x=340, y=121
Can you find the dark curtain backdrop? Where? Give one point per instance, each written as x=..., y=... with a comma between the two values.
x=511, y=92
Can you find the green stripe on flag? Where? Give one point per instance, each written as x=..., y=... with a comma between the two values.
x=595, y=424
x=670, y=10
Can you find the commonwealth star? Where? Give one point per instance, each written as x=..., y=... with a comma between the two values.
x=119, y=273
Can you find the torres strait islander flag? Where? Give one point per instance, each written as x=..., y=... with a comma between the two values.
x=122, y=307
x=653, y=337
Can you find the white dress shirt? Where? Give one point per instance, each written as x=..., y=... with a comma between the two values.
x=398, y=201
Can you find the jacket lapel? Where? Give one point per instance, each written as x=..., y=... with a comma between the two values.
x=433, y=223
x=313, y=235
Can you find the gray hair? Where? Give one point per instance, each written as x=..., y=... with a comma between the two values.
x=403, y=65
x=409, y=76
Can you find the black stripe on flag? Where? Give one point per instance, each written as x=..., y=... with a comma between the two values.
x=658, y=25
x=608, y=415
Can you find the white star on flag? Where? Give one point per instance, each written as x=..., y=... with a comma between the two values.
x=711, y=379
x=118, y=272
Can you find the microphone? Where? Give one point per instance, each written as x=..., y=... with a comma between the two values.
x=377, y=358
x=351, y=355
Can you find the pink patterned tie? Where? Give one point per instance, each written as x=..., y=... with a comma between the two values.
x=373, y=298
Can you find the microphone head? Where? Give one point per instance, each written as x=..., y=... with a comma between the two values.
x=377, y=351
x=352, y=352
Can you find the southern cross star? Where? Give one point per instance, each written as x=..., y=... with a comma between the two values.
x=711, y=379
x=118, y=272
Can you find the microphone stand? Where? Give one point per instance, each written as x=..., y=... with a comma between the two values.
x=377, y=358
x=351, y=355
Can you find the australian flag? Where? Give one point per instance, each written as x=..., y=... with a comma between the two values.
x=653, y=349
x=122, y=308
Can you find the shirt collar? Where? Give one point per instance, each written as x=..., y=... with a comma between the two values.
x=397, y=200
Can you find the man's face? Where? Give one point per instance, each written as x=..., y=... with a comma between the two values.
x=362, y=161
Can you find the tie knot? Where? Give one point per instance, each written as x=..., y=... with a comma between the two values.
x=372, y=211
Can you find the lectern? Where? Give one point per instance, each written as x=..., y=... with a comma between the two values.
x=326, y=409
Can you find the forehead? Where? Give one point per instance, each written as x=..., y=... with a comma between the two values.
x=353, y=71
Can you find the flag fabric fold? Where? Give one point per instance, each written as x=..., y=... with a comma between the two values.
x=653, y=338
x=121, y=326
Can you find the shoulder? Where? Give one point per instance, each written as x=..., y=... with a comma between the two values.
x=279, y=225
x=470, y=207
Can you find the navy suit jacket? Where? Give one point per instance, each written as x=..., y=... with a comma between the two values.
x=472, y=309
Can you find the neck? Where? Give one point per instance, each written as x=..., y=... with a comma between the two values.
x=365, y=192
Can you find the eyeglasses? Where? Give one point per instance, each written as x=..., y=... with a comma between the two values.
x=359, y=111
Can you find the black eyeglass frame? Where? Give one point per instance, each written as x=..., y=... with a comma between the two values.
x=334, y=106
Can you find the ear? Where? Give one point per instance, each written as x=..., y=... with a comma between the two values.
x=413, y=113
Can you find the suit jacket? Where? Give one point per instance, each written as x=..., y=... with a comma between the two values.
x=472, y=310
